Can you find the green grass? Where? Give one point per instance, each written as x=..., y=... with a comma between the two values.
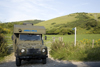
x=70, y=38
x=9, y=43
x=1, y=59
x=82, y=52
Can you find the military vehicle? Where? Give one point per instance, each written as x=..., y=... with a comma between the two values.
x=28, y=43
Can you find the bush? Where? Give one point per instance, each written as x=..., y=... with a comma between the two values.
x=98, y=17
x=93, y=54
x=96, y=30
x=68, y=31
x=61, y=31
x=3, y=46
x=82, y=52
x=53, y=23
x=4, y=30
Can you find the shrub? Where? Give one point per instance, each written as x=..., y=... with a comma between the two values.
x=82, y=52
x=3, y=46
x=4, y=30
x=53, y=23
x=98, y=17
x=61, y=31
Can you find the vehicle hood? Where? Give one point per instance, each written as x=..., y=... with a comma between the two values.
x=27, y=44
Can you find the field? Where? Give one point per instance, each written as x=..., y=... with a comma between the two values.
x=70, y=38
x=66, y=38
x=84, y=50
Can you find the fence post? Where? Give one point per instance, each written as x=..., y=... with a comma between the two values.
x=93, y=43
x=59, y=38
x=53, y=39
x=62, y=39
x=75, y=37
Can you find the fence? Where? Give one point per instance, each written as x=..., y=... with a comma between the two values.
x=61, y=39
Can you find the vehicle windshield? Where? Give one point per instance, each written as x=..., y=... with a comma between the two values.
x=30, y=37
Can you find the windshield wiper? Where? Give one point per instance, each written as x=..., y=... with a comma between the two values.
x=31, y=40
x=28, y=40
x=35, y=39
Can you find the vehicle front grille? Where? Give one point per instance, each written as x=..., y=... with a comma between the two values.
x=30, y=44
x=33, y=50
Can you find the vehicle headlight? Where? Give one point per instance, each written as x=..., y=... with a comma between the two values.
x=43, y=50
x=22, y=50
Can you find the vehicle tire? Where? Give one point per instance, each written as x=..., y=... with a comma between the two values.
x=44, y=61
x=18, y=61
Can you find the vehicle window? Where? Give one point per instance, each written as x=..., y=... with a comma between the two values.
x=30, y=37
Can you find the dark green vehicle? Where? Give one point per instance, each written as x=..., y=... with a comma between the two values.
x=28, y=43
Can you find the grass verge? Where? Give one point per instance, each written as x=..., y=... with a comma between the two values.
x=82, y=52
x=5, y=46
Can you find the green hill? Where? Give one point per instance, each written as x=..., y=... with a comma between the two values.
x=85, y=23
x=9, y=25
x=60, y=20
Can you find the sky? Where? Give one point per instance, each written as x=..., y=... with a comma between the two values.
x=19, y=10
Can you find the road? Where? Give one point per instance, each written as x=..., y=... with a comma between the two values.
x=50, y=63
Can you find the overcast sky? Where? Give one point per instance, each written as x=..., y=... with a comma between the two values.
x=18, y=10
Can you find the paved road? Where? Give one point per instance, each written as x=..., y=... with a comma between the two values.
x=50, y=63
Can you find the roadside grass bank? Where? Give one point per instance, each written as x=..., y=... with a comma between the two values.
x=84, y=51
x=6, y=47
x=1, y=59
x=8, y=58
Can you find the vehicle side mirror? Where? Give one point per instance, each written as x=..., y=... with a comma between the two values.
x=12, y=37
x=45, y=37
x=15, y=41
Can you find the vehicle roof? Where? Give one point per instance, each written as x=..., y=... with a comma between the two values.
x=29, y=29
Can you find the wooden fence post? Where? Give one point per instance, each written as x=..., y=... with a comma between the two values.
x=59, y=38
x=53, y=39
x=62, y=39
x=93, y=43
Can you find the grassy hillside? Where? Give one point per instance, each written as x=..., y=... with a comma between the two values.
x=85, y=23
x=60, y=20
x=65, y=19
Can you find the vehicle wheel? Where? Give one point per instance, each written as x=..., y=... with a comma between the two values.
x=18, y=61
x=44, y=61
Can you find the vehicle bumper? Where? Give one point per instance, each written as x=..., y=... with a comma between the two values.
x=33, y=57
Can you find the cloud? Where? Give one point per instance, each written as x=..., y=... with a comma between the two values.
x=17, y=10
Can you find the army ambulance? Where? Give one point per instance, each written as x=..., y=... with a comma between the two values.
x=28, y=43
